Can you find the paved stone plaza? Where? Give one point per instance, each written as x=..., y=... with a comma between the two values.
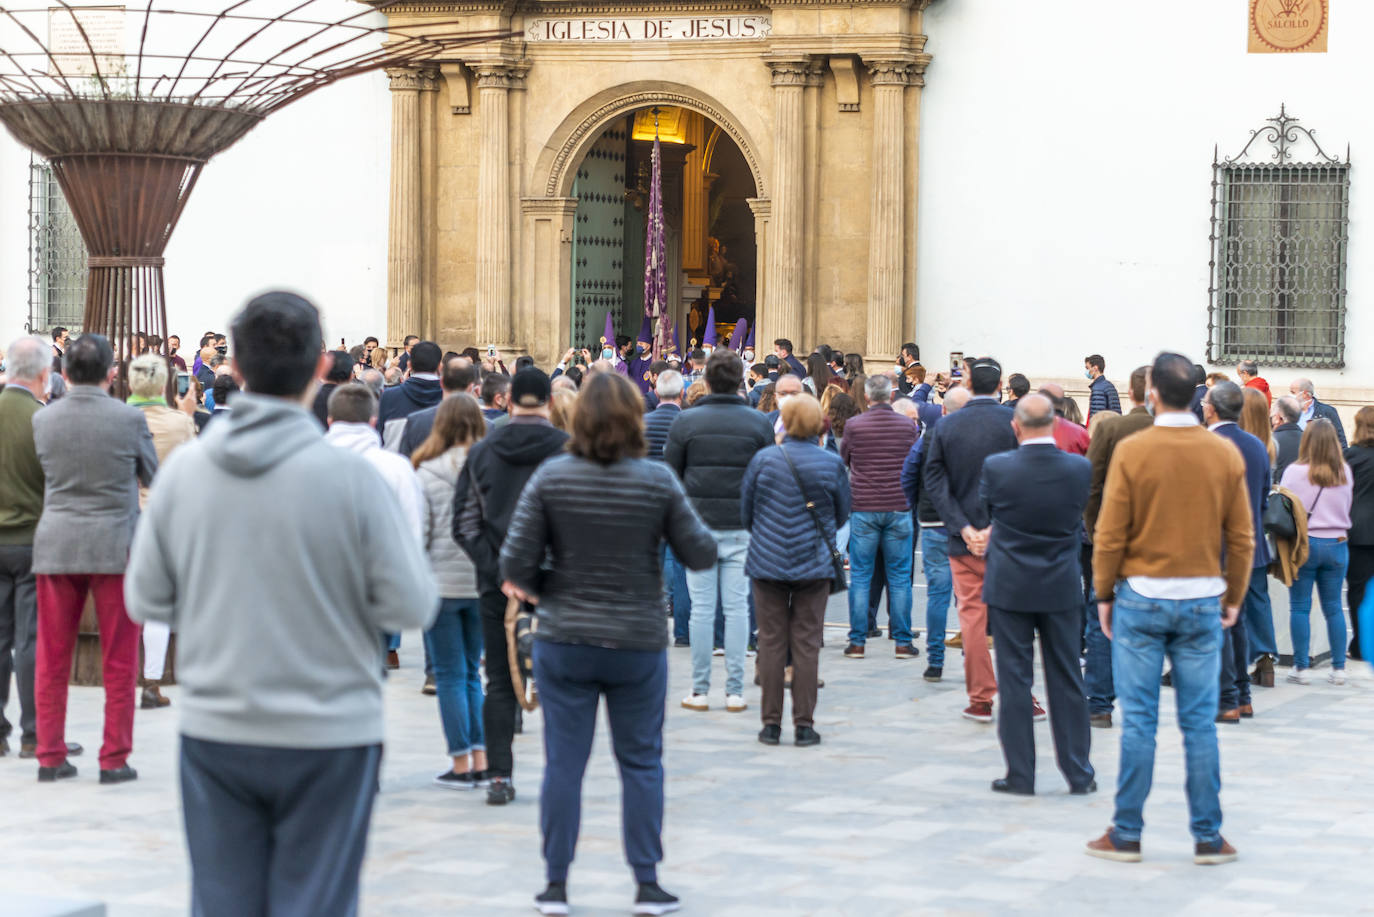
x=891, y=814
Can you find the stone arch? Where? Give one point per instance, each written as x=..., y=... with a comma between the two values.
x=575, y=135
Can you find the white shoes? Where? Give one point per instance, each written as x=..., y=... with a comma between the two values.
x=1299, y=677
x=735, y=704
x=1337, y=677
x=695, y=702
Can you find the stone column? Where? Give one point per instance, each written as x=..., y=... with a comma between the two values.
x=494, y=82
x=781, y=315
x=886, y=250
x=405, y=250
x=762, y=209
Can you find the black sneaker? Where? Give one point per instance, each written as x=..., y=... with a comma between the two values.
x=653, y=900
x=469, y=780
x=934, y=673
x=62, y=771
x=681, y=641
x=770, y=734
x=553, y=900
x=500, y=791
x=874, y=633
x=807, y=736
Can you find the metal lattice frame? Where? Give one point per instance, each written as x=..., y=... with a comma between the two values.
x=127, y=135
x=1280, y=231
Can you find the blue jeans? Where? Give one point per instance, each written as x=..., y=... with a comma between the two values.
x=727, y=579
x=455, y=644
x=1326, y=563
x=675, y=592
x=572, y=680
x=1188, y=631
x=1259, y=615
x=939, y=588
x=894, y=533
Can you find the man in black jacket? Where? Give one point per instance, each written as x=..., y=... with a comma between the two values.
x=489, y=487
x=1035, y=498
x=418, y=392
x=1312, y=409
x=340, y=371
x=1283, y=417
x=953, y=466
x=710, y=447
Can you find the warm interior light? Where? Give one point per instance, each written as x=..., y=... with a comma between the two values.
x=672, y=124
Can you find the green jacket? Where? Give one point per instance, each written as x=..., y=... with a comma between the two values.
x=21, y=477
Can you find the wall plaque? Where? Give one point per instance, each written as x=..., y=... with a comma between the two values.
x=104, y=34
x=1287, y=26
x=674, y=28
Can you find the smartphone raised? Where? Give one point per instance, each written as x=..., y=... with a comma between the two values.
x=183, y=383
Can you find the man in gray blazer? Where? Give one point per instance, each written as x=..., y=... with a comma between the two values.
x=95, y=451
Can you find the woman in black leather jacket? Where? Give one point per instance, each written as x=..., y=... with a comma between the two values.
x=584, y=545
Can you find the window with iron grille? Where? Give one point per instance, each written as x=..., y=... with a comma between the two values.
x=57, y=256
x=1279, y=238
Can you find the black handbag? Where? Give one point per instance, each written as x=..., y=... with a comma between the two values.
x=1278, y=516
x=838, y=583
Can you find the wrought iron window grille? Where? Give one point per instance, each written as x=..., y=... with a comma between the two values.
x=1280, y=232
x=57, y=256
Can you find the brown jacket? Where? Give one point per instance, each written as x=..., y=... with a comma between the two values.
x=1109, y=432
x=1173, y=496
x=1289, y=555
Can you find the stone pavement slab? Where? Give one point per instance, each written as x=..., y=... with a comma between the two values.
x=890, y=815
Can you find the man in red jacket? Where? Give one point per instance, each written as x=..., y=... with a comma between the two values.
x=1248, y=372
x=1068, y=436
x=874, y=446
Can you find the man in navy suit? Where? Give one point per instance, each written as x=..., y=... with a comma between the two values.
x=1034, y=498
x=1221, y=409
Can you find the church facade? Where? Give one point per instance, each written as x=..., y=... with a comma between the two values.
x=791, y=135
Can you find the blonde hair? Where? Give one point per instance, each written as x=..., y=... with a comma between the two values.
x=1320, y=451
x=1098, y=419
x=562, y=404
x=801, y=417
x=695, y=392
x=1254, y=419
x=457, y=422
x=148, y=375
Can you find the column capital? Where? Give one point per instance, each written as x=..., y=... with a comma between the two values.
x=790, y=72
x=891, y=72
x=411, y=79
x=498, y=74
x=761, y=207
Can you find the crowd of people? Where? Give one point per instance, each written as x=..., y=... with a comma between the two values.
x=447, y=492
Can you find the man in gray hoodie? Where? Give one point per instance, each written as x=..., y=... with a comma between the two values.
x=278, y=654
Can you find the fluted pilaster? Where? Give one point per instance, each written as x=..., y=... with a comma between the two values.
x=886, y=276
x=781, y=315
x=405, y=252
x=494, y=83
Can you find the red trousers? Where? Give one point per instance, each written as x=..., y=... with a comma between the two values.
x=980, y=680
x=61, y=599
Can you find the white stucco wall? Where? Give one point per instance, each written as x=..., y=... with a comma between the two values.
x=301, y=202
x=1066, y=157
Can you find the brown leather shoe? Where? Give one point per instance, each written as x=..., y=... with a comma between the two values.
x=1100, y=720
x=1110, y=847
x=1247, y=712
x=1263, y=675
x=1214, y=854
x=907, y=652
x=1229, y=716
x=957, y=641
x=393, y=659
x=152, y=698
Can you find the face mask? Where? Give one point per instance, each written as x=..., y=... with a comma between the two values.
x=1150, y=403
x=608, y=353
x=749, y=356
x=1087, y=374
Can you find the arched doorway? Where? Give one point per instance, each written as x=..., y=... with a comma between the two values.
x=709, y=179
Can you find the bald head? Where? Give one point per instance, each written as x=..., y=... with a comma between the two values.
x=788, y=385
x=906, y=407
x=956, y=398
x=1034, y=417
x=1053, y=389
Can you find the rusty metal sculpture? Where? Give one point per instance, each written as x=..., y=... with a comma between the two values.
x=128, y=135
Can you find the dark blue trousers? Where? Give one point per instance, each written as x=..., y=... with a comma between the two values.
x=276, y=831
x=572, y=680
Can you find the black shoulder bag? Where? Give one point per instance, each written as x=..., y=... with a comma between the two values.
x=838, y=583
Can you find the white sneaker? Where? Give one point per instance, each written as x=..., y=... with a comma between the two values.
x=1337, y=677
x=695, y=702
x=718, y=651
x=735, y=704
x=1299, y=677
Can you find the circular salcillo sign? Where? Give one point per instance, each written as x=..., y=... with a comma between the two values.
x=1287, y=25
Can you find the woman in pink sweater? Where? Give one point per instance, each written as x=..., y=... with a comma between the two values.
x=1322, y=481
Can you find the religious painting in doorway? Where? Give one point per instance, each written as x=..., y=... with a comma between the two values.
x=1287, y=26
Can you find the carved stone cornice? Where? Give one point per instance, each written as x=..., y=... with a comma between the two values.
x=790, y=72
x=815, y=72
x=891, y=72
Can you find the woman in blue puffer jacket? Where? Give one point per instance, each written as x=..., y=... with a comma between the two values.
x=789, y=560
